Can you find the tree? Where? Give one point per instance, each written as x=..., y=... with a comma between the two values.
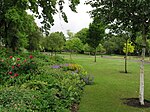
x=74, y=45
x=88, y=49
x=82, y=35
x=100, y=49
x=128, y=14
x=14, y=18
x=70, y=35
x=114, y=44
x=128, y=48
x=34, y=40
x=95, y=34
x=55, y=41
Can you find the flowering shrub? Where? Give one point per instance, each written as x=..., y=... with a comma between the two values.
x=14, y=66
x=48, y=90
x=75, y=68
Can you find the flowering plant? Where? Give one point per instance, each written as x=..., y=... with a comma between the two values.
x=12, y=66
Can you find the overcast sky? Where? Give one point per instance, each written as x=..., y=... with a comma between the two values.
x=76, y=21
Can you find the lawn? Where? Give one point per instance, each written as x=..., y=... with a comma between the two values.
x=111, y=85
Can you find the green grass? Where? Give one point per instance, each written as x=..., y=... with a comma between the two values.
x=111, y=86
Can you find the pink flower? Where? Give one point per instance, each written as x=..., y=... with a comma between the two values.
x=25, y=60
x=13, y=67
x=30, y=56
x=16, y=74
x=11, y=57
x=18, y=65
x=10, y=73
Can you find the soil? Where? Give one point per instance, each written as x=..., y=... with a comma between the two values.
x=74, y=107
x=134, y=102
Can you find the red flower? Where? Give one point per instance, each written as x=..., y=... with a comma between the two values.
x=13, y=67
x=18, y=59
x=30, y=56
x=10, y=73
x=18, y=65
x=16, y=74
x=25, y=60
x=11, y=57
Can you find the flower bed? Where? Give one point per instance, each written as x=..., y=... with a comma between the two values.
x=28, y=83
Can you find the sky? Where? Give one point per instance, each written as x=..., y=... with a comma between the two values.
x=76, y=21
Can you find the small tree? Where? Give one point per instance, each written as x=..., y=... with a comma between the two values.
x=101, y=49
x=95, y=34
x=88, y=49
x=128, y=48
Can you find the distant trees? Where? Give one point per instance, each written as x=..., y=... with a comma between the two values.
x=82, y=35
x=74, y=45
x=54, y=42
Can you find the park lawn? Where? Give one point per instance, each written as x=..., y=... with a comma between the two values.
x=111, y=85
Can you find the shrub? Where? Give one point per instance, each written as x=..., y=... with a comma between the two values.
x=29, y=84
x=13, y=67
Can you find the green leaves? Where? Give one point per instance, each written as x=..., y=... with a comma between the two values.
x=74, y=44
x=55, y=41
x=96, y=33
x=128, y=47
x=13, y=15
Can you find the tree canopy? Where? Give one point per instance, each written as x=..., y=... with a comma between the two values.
x=16, y=24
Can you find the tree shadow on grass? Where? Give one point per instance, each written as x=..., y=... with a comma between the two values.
x=134, y=102
x=123, y=72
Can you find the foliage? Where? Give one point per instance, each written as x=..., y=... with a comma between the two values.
x=74, y=44
x=13, y=67
x=17, y=28
x=41, y=88
x=34, y=40
x=76, y=69
x=70, y=35
x=87, y=48
x=82, y=35
x=100, y=49
x=96, y=33
x=130, y=47
x=55, y=41
x=114, y=44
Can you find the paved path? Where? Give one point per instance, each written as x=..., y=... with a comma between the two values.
x=133, y=60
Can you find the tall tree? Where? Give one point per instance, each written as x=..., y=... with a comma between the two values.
x=82, y=35
x=34, y=40
x=130, y=14
x=95, y=34
x=13, y=14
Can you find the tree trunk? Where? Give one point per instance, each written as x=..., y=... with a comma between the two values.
x=95, y=56
x=126, y=56
x=141, y=92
